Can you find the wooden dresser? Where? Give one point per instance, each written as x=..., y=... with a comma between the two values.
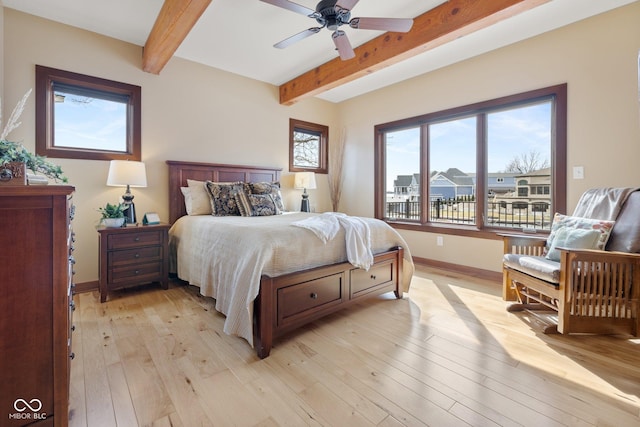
x=36, y=306
x=131, y=256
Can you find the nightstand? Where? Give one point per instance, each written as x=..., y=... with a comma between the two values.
x=131, y=256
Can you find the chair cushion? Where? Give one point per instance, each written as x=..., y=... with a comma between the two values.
x=536, y=266
x=625, y=236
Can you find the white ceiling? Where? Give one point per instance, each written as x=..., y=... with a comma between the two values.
x=238, y=35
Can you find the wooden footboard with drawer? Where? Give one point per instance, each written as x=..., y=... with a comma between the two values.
x=288, y=302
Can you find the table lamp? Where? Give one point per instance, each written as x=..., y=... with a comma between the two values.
x=304, y=180
x=130, y=174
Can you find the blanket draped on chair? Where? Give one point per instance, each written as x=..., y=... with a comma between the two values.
x=602, y=203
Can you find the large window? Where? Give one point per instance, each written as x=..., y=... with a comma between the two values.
x=486, y=167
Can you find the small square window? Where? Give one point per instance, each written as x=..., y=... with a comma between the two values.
x=308, y=146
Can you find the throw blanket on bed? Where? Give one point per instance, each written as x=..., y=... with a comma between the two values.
x=602, y=203
x=357, y=235
x=226, y=257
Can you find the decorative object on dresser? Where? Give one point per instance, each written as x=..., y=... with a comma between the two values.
x=133, y=256
x=130, y=174
x=36, y=306
x=304, y=181
x=14, y=158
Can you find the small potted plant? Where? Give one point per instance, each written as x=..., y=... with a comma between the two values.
x=112, y=215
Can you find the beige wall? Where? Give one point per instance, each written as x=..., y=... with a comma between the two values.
x=189, y=112
x=596, y=57
x=193, y=112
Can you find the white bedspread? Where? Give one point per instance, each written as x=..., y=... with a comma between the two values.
x=226, y=256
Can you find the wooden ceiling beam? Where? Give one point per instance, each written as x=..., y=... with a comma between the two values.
x=175, y=20
x=440, y=25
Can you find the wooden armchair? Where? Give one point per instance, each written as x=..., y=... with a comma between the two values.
x=593, y=291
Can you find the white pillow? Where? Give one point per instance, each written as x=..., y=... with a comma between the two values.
x=186, y=192
x=200, y=201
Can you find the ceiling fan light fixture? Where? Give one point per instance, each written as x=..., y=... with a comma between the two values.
x=332, y=14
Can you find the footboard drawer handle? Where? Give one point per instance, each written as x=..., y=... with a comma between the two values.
x=313, y=295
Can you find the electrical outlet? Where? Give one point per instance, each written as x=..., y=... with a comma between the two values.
x=578, y=172
x=439, y=241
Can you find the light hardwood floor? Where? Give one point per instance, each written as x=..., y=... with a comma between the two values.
x=448, y=354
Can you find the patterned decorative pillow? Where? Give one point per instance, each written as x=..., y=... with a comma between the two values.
x=256, y=204
x=272, y=188
x=561, y=221
x=199, y=198
x=223, y=197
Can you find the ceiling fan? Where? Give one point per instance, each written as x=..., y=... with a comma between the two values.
x=334, y=13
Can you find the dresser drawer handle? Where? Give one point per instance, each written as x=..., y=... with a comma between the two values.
x=137, y=239
x=313, y=295
x=137, y=271
x=72, y=356
x=137, y=255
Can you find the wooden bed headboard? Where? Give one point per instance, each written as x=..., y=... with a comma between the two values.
x=179, y=172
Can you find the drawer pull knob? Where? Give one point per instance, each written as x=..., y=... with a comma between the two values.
x=137, y=256
x=137, y=239
x=313, y=295
x=72, y=356
x=137, y=271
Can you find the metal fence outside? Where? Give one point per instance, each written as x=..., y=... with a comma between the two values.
x=517, y=214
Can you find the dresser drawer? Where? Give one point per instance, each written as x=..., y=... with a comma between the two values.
x=134, y=256
x=134, y=239
x=363, y=282
x=138, y=273
x=302, y=299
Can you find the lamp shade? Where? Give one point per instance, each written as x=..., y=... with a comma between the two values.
x=126, y=172
x=306, y=180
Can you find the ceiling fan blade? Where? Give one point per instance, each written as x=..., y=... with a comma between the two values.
x=343, y=45
x=297, y=37
x=289, y=5
x=399, y=25
x=346, y=4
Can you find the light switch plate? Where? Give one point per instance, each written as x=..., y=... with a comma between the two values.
x=578, y=172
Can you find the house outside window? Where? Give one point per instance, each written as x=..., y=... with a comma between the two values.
x=476, y=168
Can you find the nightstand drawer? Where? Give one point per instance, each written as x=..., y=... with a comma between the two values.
x=137, y=272
x=134, y=256
x=134, y=239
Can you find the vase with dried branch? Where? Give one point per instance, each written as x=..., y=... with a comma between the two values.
x=13, y=153
x=336, y=157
